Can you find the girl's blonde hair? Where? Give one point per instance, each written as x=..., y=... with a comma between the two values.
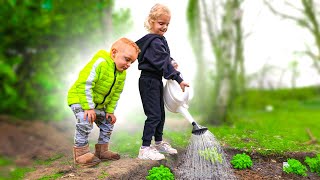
x=156, y=11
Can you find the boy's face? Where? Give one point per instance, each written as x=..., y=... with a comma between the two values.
x=160, y=26
x=124, y=56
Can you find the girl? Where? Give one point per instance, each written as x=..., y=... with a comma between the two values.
x=155, y=63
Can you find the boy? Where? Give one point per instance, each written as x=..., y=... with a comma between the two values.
x=93, y=98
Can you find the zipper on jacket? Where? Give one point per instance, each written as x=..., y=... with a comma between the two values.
x=114, y=80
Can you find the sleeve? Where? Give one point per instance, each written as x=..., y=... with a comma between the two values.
x=161, y=60
x=86, y=82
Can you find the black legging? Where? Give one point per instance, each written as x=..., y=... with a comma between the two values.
x=151, y=93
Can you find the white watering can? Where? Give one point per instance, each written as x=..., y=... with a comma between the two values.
x=177, y=101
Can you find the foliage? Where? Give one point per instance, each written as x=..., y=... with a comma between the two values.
x=223, y=32
x=314, y=164
x=211, y=154
x=160, y=173
x=241, y=161
x=42, y=42
x=295, y=166
x=305, y=14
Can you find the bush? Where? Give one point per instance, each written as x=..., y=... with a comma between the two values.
x=295, y=166
x=241, y=161
x=160, y=173
x=314, y=164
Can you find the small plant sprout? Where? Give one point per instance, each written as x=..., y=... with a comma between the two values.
x=160, y=173
x=241, y=161
x=295, y=166
x=211, y=154
x=314, y=164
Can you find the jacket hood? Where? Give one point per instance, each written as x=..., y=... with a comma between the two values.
x=144, y=43
x=103, y=54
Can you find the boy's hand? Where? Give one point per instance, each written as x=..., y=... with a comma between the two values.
x=183, y=85
x=111, y=118
x=91, y=115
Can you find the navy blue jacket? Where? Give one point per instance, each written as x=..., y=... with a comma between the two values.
x=155, y=57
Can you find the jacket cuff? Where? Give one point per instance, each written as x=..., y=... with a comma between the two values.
x=179, y=79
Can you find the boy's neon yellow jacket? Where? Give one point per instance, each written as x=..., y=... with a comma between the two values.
x=99, y=84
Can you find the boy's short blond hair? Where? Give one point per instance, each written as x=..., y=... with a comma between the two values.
x=156, y=11
x=117, y=44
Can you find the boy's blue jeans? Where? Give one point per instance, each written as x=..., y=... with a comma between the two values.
x=84, y=127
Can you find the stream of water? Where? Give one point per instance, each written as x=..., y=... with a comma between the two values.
x=204, y=159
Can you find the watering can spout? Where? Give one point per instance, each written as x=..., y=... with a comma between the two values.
x=197, y=129
x=177, y=101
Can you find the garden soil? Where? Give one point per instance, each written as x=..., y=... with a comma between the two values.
x=31, y=142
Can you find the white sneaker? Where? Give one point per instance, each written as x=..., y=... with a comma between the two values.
x=150, y=153
x=165, y=147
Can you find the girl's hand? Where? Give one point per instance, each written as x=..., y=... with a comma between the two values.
x=111, y=118
x=183, y=85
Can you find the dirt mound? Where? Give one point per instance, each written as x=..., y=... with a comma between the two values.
x=27, y=141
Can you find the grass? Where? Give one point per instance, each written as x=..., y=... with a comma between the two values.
x=275, y=132
x=50, y=160
x=8, y=170
x=254, y=128
x=103, y=175
x=51, y=177
x=126, y=143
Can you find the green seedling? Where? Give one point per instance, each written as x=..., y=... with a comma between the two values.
x=211, y=154
x=160, y=173
x=295, y=166
x=241, y=161
x=314, y=164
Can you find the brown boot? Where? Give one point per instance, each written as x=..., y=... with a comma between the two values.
x=103, y=154
x=83, y=157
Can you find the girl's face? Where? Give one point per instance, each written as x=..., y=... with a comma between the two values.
x=160, y=25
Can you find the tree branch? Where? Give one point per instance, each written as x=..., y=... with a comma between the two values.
x=313, y=140
x=285, y=16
